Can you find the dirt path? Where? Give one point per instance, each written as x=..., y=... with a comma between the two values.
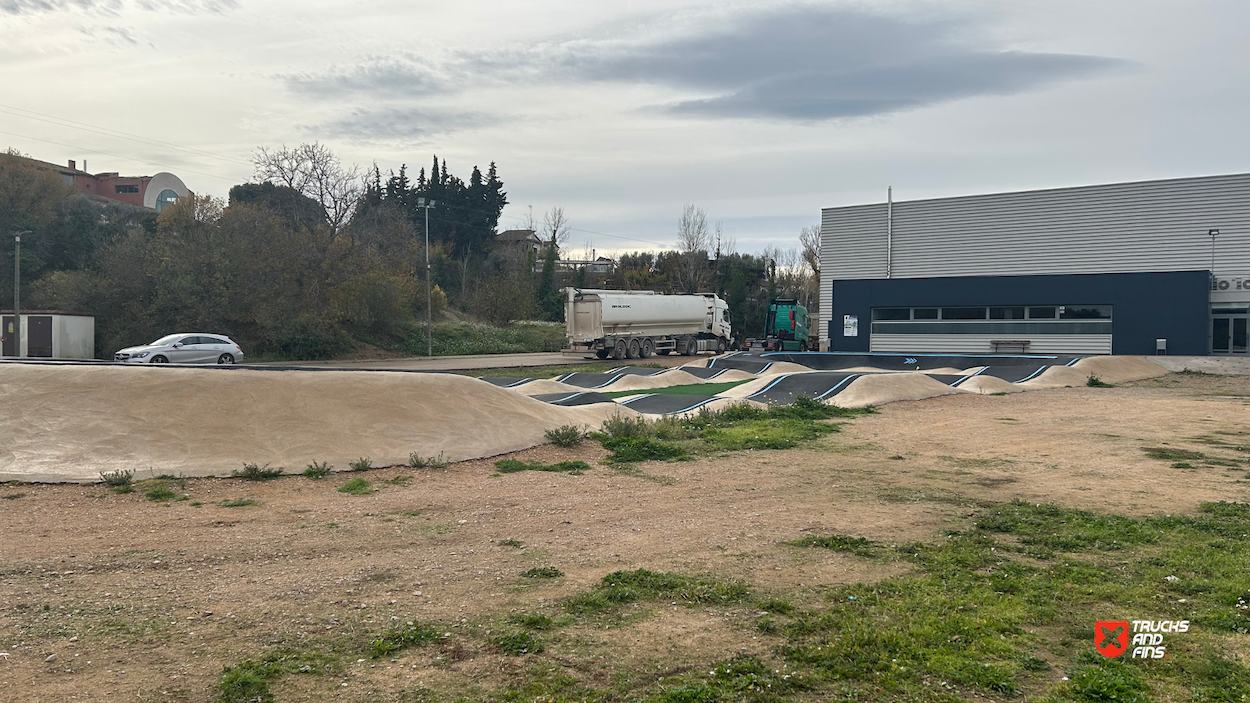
x=147, y=601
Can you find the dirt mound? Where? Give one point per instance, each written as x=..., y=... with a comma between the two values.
x=882, y=388
x=1109, y=369
x=634, y=382
x=986, y=385
x=68, y=423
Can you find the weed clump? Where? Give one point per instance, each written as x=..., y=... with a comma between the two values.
x=543, y=572
x=247, y=682
x=635, y=448
x=1172, y=454
x=395, y=639
x=416, y=461
x=532, y=621
x=356, y=487
x=511, y=543
x=238, y=502
x=364, y=463
x=567, y=435
x=518, y=644
x=317, y=471
x=621, y=587
x=1095, y=382
x=512, y=466
x=120, y=481
x=252, y=472
x=839, y=543
x=159, y=493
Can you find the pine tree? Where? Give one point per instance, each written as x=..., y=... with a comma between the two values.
x=548, y=298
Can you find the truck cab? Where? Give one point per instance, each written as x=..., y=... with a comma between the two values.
x=786, y=328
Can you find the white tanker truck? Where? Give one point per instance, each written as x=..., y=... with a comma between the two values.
x=637, y=324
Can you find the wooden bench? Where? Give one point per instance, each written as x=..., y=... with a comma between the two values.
x=1018, y=346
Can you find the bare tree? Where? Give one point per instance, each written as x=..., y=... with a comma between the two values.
x=314, y=171
x=809, y=239
x=556, y=225
x=693, y=243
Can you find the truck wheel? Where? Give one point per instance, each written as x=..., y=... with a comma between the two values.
x=802, y=346
x=620, y=351
x=720, y=346
x=647, y=348
x=602, y=354
x=634, y=351
x=663, y=352
x=692, y=348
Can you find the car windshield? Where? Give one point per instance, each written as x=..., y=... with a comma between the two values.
x=167, y=340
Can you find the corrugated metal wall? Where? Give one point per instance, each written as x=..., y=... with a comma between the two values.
x=981, y=344
x=1120, y=228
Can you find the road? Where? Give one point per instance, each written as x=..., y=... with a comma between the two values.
x=474, y=361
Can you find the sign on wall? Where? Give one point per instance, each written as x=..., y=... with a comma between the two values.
x=850, y=325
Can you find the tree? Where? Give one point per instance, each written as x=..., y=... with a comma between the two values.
x=313, y=170
x=548, y=297
x=693, y=243
x=556, y=226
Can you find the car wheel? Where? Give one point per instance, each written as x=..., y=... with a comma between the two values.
x=634, y=351
x=225, y=359
x=620, y=351
x=158, y=359
x=648, y=348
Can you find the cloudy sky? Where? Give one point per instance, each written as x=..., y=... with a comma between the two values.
x=760, y=112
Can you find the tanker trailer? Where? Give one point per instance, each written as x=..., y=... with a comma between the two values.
x=637, y=324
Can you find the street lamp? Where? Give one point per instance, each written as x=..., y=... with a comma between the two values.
x=17, y=292
x=429, y=296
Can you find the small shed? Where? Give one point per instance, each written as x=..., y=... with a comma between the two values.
x=48, y=334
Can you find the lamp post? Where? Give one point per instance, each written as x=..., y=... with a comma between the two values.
x=1213, y=233
x=17, y=292
x=429, y=296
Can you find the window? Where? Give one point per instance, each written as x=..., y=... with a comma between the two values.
x=963, y=313
x=190, y=340
x=1085, y=312
x=1041, y=313
x=924, y=313
x=211, y=340
x=891, y=313
x=166, y=197
x=126, y=189
x=1006, y=313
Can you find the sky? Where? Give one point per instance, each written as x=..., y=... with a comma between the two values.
x=761, y=113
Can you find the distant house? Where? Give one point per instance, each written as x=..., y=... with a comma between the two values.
x=519, y=240
x=600, y=264
x=151, y=192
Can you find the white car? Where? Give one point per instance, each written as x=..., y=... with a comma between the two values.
x=185, y=348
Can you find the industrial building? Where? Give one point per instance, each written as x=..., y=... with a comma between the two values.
x=48, y=334
x=151, y=192
x=1127, y=268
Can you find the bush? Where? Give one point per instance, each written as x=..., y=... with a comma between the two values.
x=118, y=479
x=630, y=449
x=356, y=487
x=416, y=461
x=567, y=435
x=1095, y=382
x=316, y=471
x=621, y=426
x=252, y=472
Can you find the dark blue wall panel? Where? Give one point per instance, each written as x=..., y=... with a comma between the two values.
x=1172, y=305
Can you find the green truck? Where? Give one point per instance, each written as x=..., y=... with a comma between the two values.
x=787, y=328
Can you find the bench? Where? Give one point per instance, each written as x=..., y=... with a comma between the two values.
x=1018, y=346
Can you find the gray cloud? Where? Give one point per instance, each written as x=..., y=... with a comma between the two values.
x=400, y=123
x=402, y=75
x=792, y=63
x=26, y=7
